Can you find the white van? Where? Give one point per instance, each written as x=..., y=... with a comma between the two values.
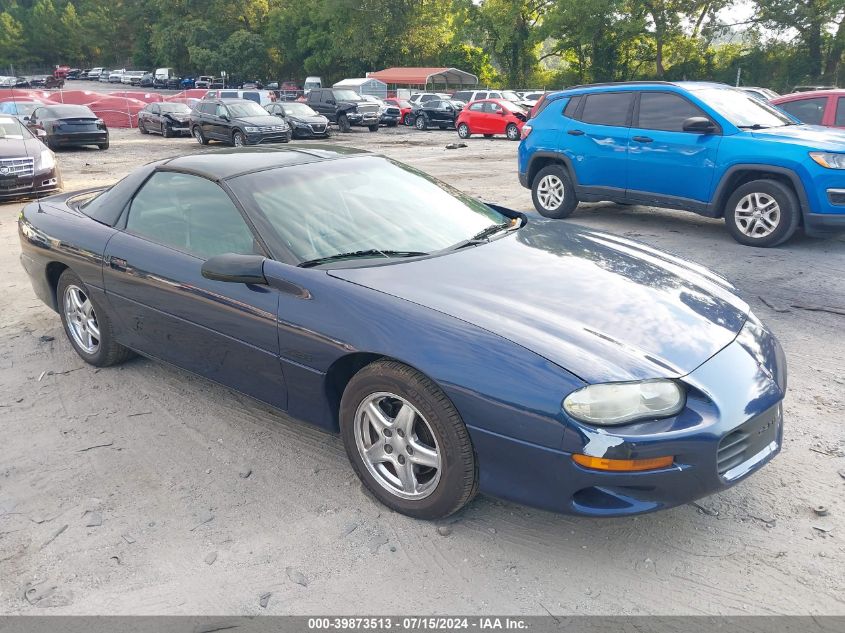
x=165, y=73
x=311, y=83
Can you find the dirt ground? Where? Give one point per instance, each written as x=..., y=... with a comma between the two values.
x=122, y=490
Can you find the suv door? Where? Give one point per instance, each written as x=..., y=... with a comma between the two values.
x=220, y=126
x=663, y=159
x=152, y=275
x=597, y=139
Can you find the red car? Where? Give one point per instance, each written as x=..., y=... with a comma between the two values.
x=403, y=105
x=819, y=107
x=491, y=116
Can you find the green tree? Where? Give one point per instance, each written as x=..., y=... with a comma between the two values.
x=11, y=40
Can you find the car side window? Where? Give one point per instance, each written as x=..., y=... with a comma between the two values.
x=154, y=108
x=810, y=111
x=608, y=108
x=571, y=107
x=480, y=95
x=665, y=111
x=840, y=112
x=477, y=107
x=190, y=214
x=221, y=111
x=495, y=107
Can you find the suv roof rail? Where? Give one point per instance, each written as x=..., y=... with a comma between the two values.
x=622, y=83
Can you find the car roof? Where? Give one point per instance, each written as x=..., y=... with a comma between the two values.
x=809, y=94
x=229, y=163
x=691, y=86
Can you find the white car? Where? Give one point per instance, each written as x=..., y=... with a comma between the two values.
x=132, y=77
x=421, y=97
x=94, y=73
x=116, y=76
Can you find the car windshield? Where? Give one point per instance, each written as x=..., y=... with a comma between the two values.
x=298, y=109
x=11, y=128
x=175, y=108
x=742, y=109
x=366, y=206
x=23, y=108
x=347, y=95
x=246, y=109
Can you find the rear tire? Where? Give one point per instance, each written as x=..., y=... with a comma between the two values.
x=85, y=322
x=373, y=128
x=104, y=145
x=512, y=132
x=197, y=132
x=421, y=123
x=431, y=433
x=553, y=193
x=762, y=213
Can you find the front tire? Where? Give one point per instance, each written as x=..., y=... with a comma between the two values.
x=407, y=442
x=762, y=213
x=86, y=324
x=238, y=139
x=142, y=128
x=167, y=132
x=373, y=128
x=553, y=193
x=343, y=123
x=463, y=131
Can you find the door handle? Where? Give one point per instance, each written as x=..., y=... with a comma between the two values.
x=118, y=263
x=642, y=139
x=575, y=132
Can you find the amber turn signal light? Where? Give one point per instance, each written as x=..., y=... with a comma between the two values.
x=620, y=465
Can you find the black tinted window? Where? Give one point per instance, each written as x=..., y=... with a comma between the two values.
x=840, y=112
x=462, y=96
x=571, y=107
x=608, y=108
x=665, y=111
x=480, y=95
x=190, y=214
x=810, y=111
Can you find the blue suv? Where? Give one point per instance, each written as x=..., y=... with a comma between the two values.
x=701, y=147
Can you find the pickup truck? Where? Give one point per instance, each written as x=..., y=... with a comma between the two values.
x=345, y=108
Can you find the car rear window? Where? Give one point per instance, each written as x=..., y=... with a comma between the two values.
x=608, y=108
x=665, y=111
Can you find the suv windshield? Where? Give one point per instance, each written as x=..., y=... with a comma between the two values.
x=245, y=109
x=347, y=95
x=742, y=109
x=363, y=207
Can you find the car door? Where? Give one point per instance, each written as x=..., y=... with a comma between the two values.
x=597, y=139
x=665, y=160
x=220, y=123
x=476, y=119
x=167, y=309
x=153, y=118
x=496, y=118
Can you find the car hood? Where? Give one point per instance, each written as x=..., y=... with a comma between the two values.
x=259, y=121
x=316, y=119
x=17, y=148
x=603, y=307
x=814, y=136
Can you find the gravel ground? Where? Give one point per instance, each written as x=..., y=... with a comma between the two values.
x=122, y=490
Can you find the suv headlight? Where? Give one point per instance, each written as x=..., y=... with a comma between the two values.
x=610, y=404
x=46, y=160
x=251, y=129
x=830, y=160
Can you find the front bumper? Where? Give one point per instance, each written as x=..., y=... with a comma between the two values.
x=364, y=119
x=309, y=131
x=264, y=138
x=39, y=184
x=731, y=426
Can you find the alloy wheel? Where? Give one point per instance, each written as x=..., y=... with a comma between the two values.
x=550, y=192
x=757, y=215
x=238, y=139
x=198, y=134
x=463, y=130
x=81, y=319
x=397, y=446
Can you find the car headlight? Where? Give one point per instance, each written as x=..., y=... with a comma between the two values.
x=830, y=160
x=610, y=404
x=46, y=160
x=252, y=129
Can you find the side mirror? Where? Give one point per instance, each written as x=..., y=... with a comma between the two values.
x=500, y=112
x=239, y=269
x=40, y=133
x=699, y=125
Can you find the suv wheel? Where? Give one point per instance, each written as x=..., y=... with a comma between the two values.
x=200, y=136
x=553, y=193
x=762, y=213
x=407, y=442
x=238, y=139
x=463, y=131
x=343, y=123
x=421, y=123
x=373, y=128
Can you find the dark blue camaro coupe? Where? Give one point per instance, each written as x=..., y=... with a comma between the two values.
x=455, y=345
